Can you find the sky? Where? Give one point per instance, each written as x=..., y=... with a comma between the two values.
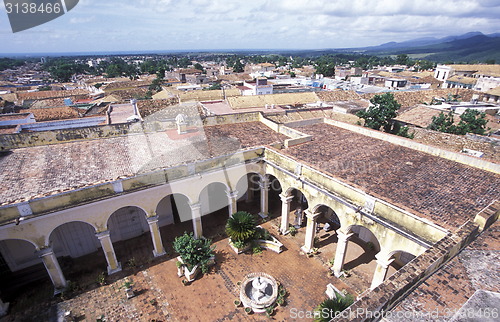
x=152, y=25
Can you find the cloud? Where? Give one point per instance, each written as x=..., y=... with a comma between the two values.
x=82, y=20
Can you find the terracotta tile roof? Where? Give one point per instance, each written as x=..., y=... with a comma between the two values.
x=54, y=113
x=338, y=95
x=476, y=268
x=276, y=99
x=419, y=116
x=38, y=171
x=54, y=102
x=462, y=80
x=50, y=94
x=424, y=184
x=126, y=84
x=492, y=70
x=495, y=91
x=200, y=95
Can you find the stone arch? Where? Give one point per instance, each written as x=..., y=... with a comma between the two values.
x=19, y=253
x=365, y=235
x=248, y=186
x=275, y=189
x=401, y=257
x=213, y=197
x=127, y=222
x=214, y=203
x=173, y=209
x=73, y=239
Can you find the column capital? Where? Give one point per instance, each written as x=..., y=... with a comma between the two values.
x=195, y=206
x=264, y=183
x=311, y=215
x=343, y=237
x=232, y=194
x=102, y=234
x=285, y=198
x=384, y=259
x=47, y=251
x=152, y=220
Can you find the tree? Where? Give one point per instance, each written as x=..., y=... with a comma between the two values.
x=240, y=227
x=382, y=113
x=327, y=309
x=472, y=121
x=193, y=251
x=238, y=66
x=442, y=123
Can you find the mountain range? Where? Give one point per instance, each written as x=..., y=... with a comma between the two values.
x=469, y=47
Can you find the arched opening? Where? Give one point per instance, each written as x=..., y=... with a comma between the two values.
x=129, y=232
x=214, y=209
x=77, y=249
x=21, y=268
x=401, y=258
x=74, y=239
x=274, y=196
x=248, y=188
x=360, y=255
x=174, y=218
x=327, y=224
x=298, y=205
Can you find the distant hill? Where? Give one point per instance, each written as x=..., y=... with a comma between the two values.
x=469, y=47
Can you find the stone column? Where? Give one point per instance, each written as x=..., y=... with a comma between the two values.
x=154, y=229
x=196, y=217
x=109, y=252
x=343, y=239
x=383, y=262
x=4, y=308
x=310, y=231
x=232, y=197
x=250, y=191
x=285, y=212
x=264, y=197
x=52, y=266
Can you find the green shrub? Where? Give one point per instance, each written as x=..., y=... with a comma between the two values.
x=193, y=251
x=241, y=226
x=327, y=309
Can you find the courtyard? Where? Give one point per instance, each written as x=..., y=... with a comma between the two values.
x=161, y=295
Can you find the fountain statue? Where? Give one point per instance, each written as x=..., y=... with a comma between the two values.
x=258, y=291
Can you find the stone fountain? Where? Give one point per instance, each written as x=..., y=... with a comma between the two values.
x=258, y=291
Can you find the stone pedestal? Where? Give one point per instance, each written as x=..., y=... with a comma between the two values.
x=182, y=128
x=264, y=197
x=285, y=212
x=196, y=217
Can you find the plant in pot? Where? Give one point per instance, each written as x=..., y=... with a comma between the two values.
x=195, y=254
x=240, y=228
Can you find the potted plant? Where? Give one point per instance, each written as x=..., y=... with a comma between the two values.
x=237, y=303
x=248, y=310
x=240, y=228
x=180, y=268
x=127, y=285
x=196, y=255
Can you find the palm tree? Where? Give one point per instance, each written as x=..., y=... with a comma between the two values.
x=240, y=227
x=327, y=309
